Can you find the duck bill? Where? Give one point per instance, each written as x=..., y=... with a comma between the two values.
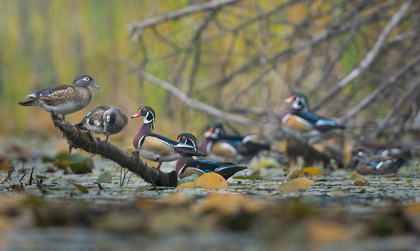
x=289, y=100
x=93, y=84
x=136, y=115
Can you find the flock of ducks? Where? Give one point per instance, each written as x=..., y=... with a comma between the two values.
x=223, y=150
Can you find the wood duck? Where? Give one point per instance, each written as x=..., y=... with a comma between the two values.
x=297, y=120
x=104, y=119
x=220, y=146
x=156, y=147
x=364, y=162
x=188, y=166
x=63, y=99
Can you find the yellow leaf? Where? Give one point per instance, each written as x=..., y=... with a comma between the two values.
x=230, y=204
x=211, y=181
x=283, y=145
x=357, y=176
x=311, y=171
x=186, y=185
x=4, y=163
x=296, y=184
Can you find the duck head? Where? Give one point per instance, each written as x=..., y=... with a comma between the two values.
x=85, y=80
x=299, y=101
x=148, y=113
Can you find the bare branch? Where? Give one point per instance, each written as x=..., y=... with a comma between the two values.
x=187, y=100
x=136, y=28
x=370, y=56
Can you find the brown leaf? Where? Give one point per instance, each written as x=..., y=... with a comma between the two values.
x=294, y=173
x=359, y=183
x=296, y=184
x=4, y=163
x=186, y=185
x=357, y=176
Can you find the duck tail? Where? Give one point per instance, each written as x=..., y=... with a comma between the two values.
x=191, y=152
x=228, y=171
x=29, y=102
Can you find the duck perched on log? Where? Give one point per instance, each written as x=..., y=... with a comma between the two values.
x=297, y=120
x=220, y=146
x=104, y=119
x=188, y=166
x=156, y=147
x=63, y=99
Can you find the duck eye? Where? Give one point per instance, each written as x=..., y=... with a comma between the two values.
x=108, y=118
x=183, y=137
x=86, y=78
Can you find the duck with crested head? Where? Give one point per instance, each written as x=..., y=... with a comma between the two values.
x=156, y=147
x=104, y=119
x=224, y=147
x=188, y=166
x=297, y=120
x=63, y=99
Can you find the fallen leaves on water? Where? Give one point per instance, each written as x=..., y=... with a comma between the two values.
x=296, y=184
x=359, y=183
x=105, y=177
x=311, y=171
x=79, y=187
x=207, y=181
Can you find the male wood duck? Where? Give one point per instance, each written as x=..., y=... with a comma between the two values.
x=63, y=99
x=297, y=120
x=220, y=146
x=364, y=162
x=156, y=147
x=188, y=166
x=104, y=119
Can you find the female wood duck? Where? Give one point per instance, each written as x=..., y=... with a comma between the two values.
x=63, y=99
x=220, y=146
x=188, y=166
x=297, y=120
x=156, y=147
x=365, y=163
x=106, y=120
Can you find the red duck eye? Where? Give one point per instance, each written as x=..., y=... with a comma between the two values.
x=144, y=109
x=183, y=137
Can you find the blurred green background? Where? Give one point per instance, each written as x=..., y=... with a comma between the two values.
x=45, y=43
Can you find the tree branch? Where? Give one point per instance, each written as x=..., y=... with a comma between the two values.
x=189, y=101
x=370, y=56
x=136, y=28
x=78, y=138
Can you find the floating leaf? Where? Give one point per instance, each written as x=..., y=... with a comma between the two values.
x=9, y=176
x=296, y=184
x=357, y=176
x=359, y=183
x=311, y=171
x=105, y=177
x=80, y=168
x=58, y=181
x=211, y=181
x=249, y=177
x=63, y=163
x=79, y=187
x=4, y=163
x=266, y=163
x=186, y=185
x=41, y=177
